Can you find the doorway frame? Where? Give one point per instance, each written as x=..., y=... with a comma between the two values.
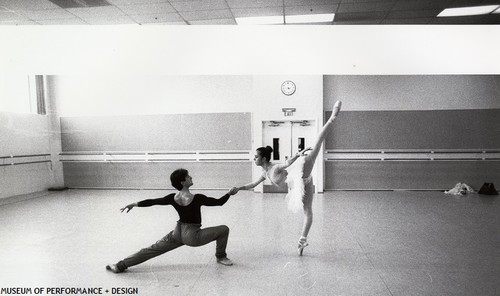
x=318, y=171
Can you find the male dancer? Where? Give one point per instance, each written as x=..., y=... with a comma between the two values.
x=188, y=230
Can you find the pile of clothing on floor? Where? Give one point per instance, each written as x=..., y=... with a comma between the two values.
x=460, y=189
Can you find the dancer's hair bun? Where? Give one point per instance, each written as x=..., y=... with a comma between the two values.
x=269, y=148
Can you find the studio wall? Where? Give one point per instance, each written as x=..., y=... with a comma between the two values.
x=142, y=150
x=25, y=165
x=105, y=95
x=413, y=132
x=221, y=115
x=412, y=92
x=176, y=113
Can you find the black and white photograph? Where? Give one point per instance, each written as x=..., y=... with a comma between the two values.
x=242, y=147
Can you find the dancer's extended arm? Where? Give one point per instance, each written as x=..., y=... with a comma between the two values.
x=210, y=201
x=167, y=200
x=128, y=207
x=290, y=161
x=252, y=185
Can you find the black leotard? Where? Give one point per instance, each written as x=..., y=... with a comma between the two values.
x=190, y=213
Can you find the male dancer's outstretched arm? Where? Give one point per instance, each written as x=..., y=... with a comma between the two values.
x=163, y=201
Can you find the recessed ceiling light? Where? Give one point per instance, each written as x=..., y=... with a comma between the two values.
x=260, y=20
x=463, y=11
x=79, y=3
x=309, y=18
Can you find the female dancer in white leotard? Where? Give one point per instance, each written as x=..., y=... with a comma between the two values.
x=299, y=180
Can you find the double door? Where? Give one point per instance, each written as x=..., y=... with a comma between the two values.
x=286, y=138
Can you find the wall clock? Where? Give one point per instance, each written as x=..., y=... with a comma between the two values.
x=288, y=88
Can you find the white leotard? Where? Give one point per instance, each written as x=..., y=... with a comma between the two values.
x=276, y=177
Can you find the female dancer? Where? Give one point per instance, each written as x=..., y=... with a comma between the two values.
x=188, y=231
x=300, y=185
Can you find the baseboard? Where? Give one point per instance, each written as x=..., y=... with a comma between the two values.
x=22, y=197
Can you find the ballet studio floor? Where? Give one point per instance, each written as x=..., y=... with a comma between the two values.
x=361, y=243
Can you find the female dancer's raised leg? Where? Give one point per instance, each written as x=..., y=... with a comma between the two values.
x=310, y=159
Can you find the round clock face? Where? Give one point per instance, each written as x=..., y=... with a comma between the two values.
x=288, y=88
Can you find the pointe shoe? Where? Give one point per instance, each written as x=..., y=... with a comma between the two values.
x=302, y=245
x=335, y=111
x=113, y=268
x=225, y=261
x=336, y=108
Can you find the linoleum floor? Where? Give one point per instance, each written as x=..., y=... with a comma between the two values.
x=361, y=243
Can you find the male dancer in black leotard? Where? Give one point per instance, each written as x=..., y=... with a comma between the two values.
x=188, y=230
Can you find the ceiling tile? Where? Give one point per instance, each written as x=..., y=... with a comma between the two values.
x=249, y=12
x=18, y=23
x=371, y=1
x=413, y=14
x=365, y=7
x=310, y=24
x=157, y=18
x=11, y=16
x=200, y=5
x=310, y=9
x=489, y=19
x=454, y=20
x=374, y=17
x=28, y=5
x=88, y=12
x=71, y=21
x=214, y=22
x=254, y=3
x=420, y=5
x=166, y=24
x=408, y=21
x=465, y=3
x=475, y=19
x=110, y=20
x=311, y=2
x=131, y=2
x=206, y=14
x=355, y=22
x=147, y=8
x=49, y=14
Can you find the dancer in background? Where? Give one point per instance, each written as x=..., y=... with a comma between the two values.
x=188, y=230
x=299, y=180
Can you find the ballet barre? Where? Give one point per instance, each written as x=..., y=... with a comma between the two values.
x=156, y=156
x=412, y=155
x=10, y=160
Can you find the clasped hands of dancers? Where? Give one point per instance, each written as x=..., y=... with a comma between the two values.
x=188, y=230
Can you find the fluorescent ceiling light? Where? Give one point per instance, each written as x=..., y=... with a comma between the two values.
x=260, y=20
x=463, y=11
x=497, y=11
x=309, y=18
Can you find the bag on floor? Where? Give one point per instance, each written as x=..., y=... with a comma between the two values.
x=488, y=189
x=460, y=189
